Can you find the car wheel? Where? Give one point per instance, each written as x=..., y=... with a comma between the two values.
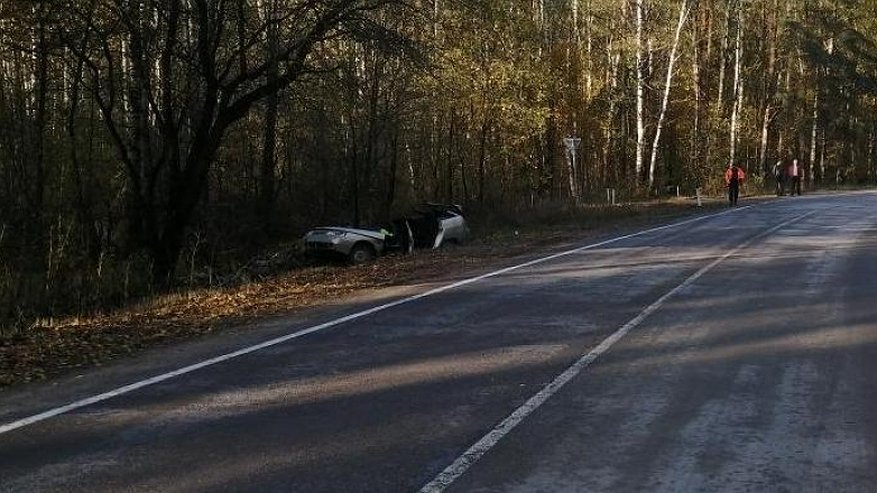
x=361, y=253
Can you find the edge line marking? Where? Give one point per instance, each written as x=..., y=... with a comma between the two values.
x=125, y=389
x=462, y=464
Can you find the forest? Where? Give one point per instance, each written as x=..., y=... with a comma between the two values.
x=140, y=138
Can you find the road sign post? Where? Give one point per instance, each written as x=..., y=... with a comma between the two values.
x=572, y=145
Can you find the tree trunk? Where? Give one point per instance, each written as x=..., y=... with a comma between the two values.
x=482, y=158
x=668, y=83
x=738, y=86
x=814, y=132
x=449, y=162
x=770, y=91
x=354, y=177
x=391, y=176
x=589, y=73
x=697, y=90
x=613, y=62
x=267, y=176
x=723, y=53
x=871, y=175
x=267, y=173
x=640, y=93
x=462, y=156
x=822, y=156
x=41, y=57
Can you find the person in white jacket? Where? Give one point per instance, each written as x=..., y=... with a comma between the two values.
x=795, y=172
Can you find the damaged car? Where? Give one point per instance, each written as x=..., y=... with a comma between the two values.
x=428, y=226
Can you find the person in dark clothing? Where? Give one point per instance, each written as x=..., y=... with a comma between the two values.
x=779, y=177
x=734, y=176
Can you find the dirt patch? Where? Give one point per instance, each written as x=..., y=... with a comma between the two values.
x=77, y=343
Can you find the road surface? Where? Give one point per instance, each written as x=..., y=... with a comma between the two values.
x=733, y=352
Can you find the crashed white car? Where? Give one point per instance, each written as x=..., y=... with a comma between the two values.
x=358, y=245
x=429, y=226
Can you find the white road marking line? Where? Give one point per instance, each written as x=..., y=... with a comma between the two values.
x=7, y=427
x=482, y=446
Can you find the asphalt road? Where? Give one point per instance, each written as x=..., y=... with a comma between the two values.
x=742, y=357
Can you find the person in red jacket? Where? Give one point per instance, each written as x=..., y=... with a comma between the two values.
x=734, y=176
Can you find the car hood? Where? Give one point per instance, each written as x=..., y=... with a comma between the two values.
x=362, y=232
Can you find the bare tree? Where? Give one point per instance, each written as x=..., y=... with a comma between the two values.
x=192, y=77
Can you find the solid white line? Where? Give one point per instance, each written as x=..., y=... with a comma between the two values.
x=482, y=446
x=317, y=328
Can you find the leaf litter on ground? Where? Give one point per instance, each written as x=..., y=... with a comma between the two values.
x=78, y=343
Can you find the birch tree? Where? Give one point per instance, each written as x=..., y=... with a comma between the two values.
x=738, y=84
x=640, y=90
x=684, y=10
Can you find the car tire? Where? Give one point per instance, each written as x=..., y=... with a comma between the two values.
x=361, y=253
